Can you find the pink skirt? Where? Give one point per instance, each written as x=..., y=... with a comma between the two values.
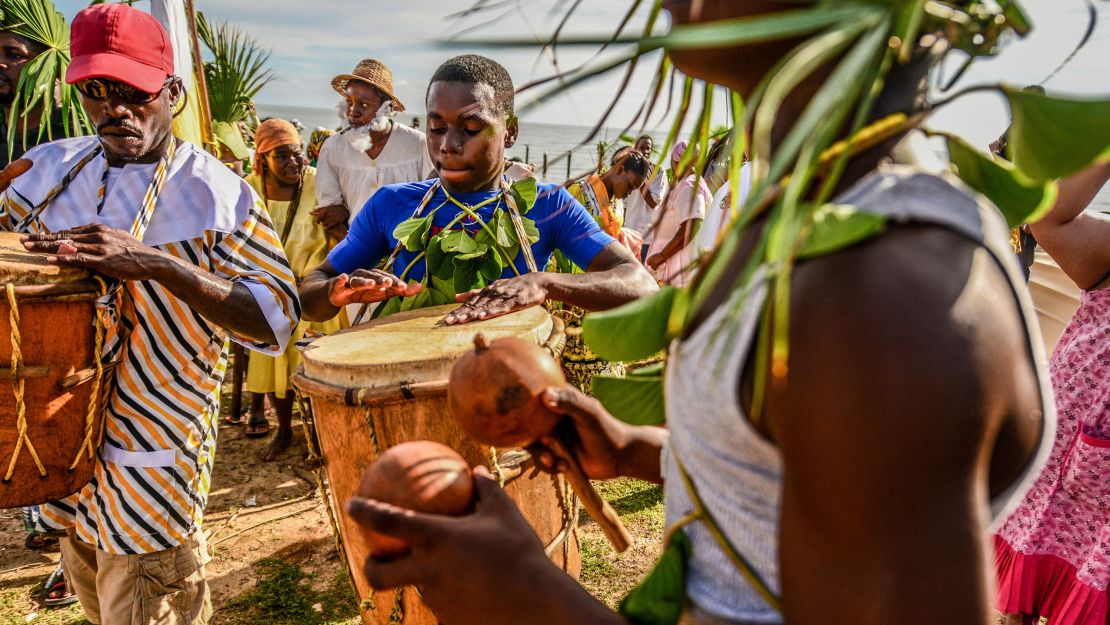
x=1047, y=586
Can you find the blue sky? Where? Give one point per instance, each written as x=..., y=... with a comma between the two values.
x=311, y=41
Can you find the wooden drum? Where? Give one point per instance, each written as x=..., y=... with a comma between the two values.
x=50, y=409
x=385, y=382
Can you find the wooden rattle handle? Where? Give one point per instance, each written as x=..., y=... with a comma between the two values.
x=595, y=506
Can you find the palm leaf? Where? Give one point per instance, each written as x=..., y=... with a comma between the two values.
x=44, y=75
x=237, y=72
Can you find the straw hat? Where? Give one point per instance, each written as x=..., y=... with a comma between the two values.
x=373, y=73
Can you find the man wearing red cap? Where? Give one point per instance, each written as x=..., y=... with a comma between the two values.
x=192, y=260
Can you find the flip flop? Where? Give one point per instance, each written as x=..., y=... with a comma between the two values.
x=230, y=420
x=260, y=429
x=56, y=592
x=37, y=541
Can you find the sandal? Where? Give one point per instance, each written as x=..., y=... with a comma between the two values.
x=37, y=541
x=257, y=429
x=56, y=591
x=233, y=419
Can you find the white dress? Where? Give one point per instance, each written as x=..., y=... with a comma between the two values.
x=682, y=205
x=346, y=175
x=638, y=215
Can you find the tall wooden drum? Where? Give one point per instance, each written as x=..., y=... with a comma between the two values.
x=385, y=382
x=50, y=398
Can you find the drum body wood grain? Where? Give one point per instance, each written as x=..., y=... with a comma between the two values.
x=383, y=383
x=56, y=338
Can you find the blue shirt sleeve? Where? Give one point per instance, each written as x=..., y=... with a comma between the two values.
x=577, y=234
x=364, y=247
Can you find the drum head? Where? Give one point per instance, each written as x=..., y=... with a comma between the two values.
x=23, y=268
x=410, y=347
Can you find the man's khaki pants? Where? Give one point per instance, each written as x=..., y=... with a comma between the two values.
x=162, y=588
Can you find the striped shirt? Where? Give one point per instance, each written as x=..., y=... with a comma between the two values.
x=152, y=475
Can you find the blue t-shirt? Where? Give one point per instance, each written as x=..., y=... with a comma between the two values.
x=563, y=223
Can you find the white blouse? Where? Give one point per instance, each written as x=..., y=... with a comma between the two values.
x=346, y=175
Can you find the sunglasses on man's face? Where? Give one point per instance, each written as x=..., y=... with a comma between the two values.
x=101, y=89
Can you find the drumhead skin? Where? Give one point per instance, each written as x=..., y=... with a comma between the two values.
x=23, y=268
x=410, y=347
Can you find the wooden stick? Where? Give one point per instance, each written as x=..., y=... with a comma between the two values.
x=595, y=506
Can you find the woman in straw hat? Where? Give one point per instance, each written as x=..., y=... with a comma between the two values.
x=371, y=152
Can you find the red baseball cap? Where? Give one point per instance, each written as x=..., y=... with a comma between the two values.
x=117, y=42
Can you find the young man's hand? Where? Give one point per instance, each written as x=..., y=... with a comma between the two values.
x=499, y=298
x=367, y=287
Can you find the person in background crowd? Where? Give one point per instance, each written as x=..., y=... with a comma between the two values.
x=720, y=214
x=373, y=151
x=191, y=248
x=315, y=142
x=287, y=186
x=670, y=253
x=233, y=150
x=600, y=194
x=516, y=169
x=1052, y=554
x=640, y=209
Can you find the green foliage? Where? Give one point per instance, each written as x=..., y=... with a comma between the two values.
x=636, y=399
x=236, y=73
x=661, y=597
x=456, y=262
x=836, y=227
x=1021, y=201
x=638, y=330
x=39, y=21
x=1053, y=137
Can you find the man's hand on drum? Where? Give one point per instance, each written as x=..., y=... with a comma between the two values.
x=499, y=298
x=480, y=569
x=14, y=170
x=365, y=286
x=105, y=250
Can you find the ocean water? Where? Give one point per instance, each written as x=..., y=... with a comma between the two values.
x=534, y=141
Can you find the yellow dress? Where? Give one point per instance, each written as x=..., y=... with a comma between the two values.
x=306, y=247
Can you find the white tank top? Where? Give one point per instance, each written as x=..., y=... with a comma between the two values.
x=738, y=472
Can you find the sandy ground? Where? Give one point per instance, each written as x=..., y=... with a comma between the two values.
x=271, y=510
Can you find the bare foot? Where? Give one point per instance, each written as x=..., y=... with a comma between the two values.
x=279, y=443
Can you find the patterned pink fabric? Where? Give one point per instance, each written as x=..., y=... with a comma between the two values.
x=1053, y=552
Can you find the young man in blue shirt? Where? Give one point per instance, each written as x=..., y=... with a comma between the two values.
x=470, y=124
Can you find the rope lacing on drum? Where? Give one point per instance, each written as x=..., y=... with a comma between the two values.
x=397, y=614
x=17, y=389
x=94, y=405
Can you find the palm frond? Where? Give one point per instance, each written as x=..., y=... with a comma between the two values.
x=41, y=89
x=237, y=71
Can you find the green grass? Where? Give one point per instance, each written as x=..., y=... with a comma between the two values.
x=17, y=600
x=286, y=595
x=605, y=573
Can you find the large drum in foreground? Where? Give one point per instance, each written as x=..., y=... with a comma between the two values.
x=50, y=412
x=385, y=382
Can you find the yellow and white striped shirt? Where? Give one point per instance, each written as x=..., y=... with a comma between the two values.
x=152, y=476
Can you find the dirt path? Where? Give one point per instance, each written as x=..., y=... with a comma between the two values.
x=286, y=570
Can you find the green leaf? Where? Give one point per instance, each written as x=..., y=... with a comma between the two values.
x=458, y=242
x=661, y=597
x=635, y=331
x=1054, y=137
x=415, y=302
x=489, y=268
x=466, y=277
x=530, y=231
x=837, y=226
x=479, y=251
x=636, y=399
x=524, y=192
x=438, y=263
x=1020, y=200
x=440, y=297
x=411, y=232
x=502, y=225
